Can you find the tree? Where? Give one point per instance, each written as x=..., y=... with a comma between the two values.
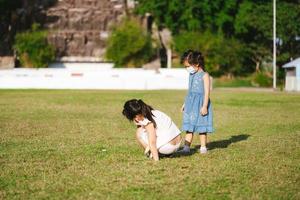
x=192, y=15
x=200, y=25
x=254, y=27
x=288, y=30
x=243, y=23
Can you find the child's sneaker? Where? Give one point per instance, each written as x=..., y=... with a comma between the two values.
x=203, y=150
x=185, y=150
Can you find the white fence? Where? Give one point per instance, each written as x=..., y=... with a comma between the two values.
x=93, y=78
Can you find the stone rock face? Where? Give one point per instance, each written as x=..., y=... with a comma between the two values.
x=80, y=27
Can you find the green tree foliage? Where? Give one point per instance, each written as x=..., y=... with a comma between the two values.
x=192, y=15
x=206, y=42
x=242, y=24
x=221, y=53
x=33, y=49
x=253, y=27
x=288, y=28
x=129, y=45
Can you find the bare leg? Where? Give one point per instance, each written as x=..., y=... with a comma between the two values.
x=188, y=138
x=203, y=139
x=187, y=142
x=203, y=142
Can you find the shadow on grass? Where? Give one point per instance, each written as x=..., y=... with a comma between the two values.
x=221, y=144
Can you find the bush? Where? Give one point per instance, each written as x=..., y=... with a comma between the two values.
x=33, y=49
x=129, y=45
x=261, y=79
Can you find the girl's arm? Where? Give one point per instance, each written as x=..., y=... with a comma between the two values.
x=206, y=94
x=152, y=140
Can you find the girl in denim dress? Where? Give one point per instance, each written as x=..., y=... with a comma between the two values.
x=197, y=109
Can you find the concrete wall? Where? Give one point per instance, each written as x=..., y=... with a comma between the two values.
x=298, y=71
x=291, y=83
x=93, y=78
x=292, y=79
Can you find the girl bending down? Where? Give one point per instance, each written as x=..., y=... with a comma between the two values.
x=156, y=132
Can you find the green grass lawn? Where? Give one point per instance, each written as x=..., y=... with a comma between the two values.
x=65, y=144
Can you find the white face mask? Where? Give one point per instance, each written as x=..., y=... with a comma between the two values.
x=191, y=69
x=144, y=122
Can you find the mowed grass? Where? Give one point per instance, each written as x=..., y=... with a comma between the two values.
x=65, y=144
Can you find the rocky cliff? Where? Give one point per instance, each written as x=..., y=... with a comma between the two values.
x=80, y=27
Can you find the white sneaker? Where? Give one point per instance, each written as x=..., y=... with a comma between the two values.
x=203, y=150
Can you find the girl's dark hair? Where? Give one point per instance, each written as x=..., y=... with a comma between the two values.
x=197, y=58
x=135, y=107
x=186, y=55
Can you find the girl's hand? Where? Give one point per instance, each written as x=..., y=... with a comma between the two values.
x=203, y=110
x=182, y=108
x=147, y=151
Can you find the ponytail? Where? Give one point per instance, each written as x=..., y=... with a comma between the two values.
x=147, y=111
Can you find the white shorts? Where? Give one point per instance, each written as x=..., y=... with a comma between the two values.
x=165, y=149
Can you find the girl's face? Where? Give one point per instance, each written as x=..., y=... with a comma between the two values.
x=138, y=118
x=187, y=64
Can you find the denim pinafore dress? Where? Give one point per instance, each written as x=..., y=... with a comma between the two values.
x=193, y=121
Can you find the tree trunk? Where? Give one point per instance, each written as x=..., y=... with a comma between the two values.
x=257, y=66
x=126, y=9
